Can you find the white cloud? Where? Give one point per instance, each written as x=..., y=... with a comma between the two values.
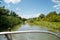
x=32, y=15
x=18, y=9
x=57, y=6
x=36, y=15
x=23, y=15
x=56, y=1
x=12, y=1
x=7, y=6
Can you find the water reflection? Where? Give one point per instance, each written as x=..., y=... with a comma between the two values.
x=30, y=27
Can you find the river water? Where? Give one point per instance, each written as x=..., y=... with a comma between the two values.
x=31, y=36
x=26, y=26
x=30, y=27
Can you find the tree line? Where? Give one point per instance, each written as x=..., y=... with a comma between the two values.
x=51, y=21
x=50, y=17
x=9, y=19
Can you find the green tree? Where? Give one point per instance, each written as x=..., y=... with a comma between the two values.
x=51, y=14
x=59, y=14
x=8, y=19
x=41, y=16
x=4, y=23
x=4, y=11
x=13, y=13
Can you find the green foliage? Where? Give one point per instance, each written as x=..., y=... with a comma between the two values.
x=13, y=13
x=13, y=20
x=8, y=19
x=41, y=16
x=50, y=21
x=4, y=11
x=51, y=14
x=59, y=14
x=52, y=17
x=4, y=22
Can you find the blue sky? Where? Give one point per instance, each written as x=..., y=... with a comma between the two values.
x=31, y=8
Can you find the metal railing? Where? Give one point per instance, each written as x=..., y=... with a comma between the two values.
x=27, y=31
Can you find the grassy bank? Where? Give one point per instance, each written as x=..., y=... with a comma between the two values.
x=51, y=26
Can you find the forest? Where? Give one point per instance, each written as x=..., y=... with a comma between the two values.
x=8, y=19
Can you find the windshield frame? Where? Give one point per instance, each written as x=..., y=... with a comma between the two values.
x=30, y=31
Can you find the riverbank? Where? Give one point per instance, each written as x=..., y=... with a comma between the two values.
x=9, y=19
x=51, y=26
x=16, y=27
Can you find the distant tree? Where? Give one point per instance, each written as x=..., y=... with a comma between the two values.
x=19, y=17
x=51, y=14
x=41, y=16
x=4, y=11
x=3, y=6
x=24, y=19
x=59, y=14
x=13, y=13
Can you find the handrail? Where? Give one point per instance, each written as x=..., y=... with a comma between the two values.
x=30, y=31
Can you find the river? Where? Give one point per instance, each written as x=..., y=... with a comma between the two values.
x=31, y=36
x=30, y=27
x=27, y=26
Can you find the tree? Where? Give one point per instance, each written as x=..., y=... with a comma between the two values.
x=4, y=23
x=41, y=16
x=13, y=13
x=51, y=14
x=3, y=6
x=8, y=20
x=59, y=14
x=4, y=11
x=52, y=17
